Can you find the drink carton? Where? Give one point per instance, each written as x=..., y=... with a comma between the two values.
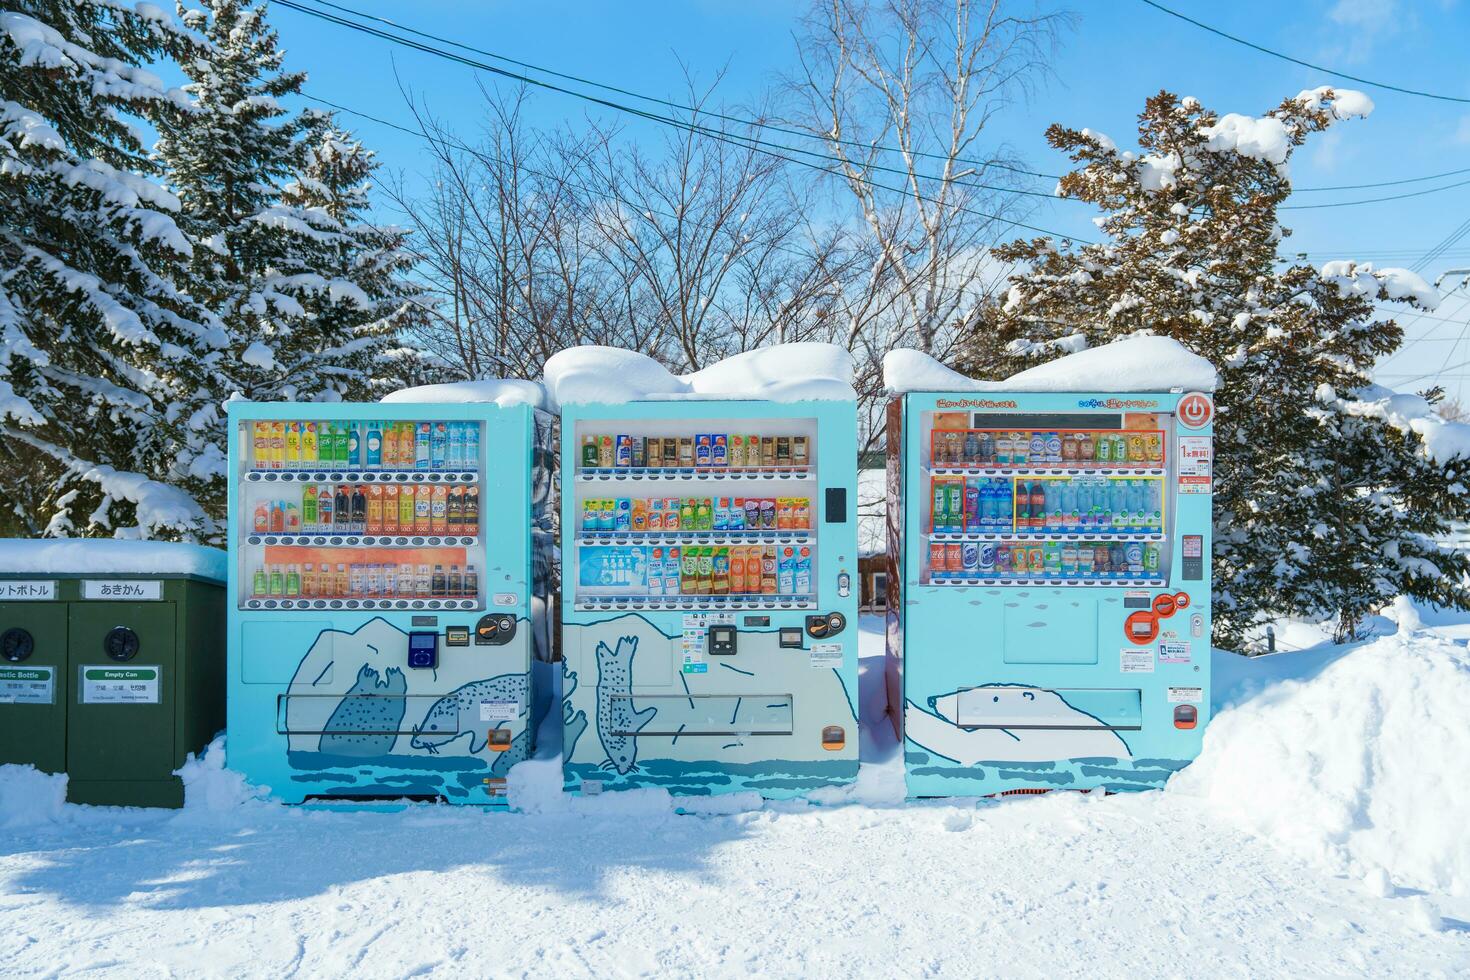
x=737, y=451
x=719, y=452
x=624, y=454
x=703, y=450
x=720, y=572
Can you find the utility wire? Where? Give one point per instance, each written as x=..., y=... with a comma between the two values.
x=695, y=111
x=1381, y=183
x=743, y=142
x=1305, y=64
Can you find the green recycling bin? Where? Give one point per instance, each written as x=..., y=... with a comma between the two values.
x=112, y=663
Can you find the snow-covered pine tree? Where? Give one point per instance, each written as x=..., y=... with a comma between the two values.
x=1327, y=500
x=370, y=302
x=310, y=298
x=104, y=402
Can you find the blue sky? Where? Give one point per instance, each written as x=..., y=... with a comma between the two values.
x=1118, y=53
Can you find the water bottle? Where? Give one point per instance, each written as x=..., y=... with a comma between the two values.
x=1155, y=511
x=1069, y=506
x=1117, y=503
x=1084, y=504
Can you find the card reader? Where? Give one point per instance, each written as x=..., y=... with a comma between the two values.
x=423, y=651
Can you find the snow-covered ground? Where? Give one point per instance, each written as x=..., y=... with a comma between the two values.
x=1188, y=881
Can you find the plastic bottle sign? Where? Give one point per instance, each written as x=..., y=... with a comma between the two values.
x=1195, y=410
x=27, y=685
x=16, y=590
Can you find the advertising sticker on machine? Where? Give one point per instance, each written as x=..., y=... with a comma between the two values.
x=1174, y=652
x=696, y=629
x=1195, y=464
x=826, y=655
x=500, y=710
x=1186, y=695
x=1136, y=661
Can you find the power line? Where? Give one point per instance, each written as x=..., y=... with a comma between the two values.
x=743, y=142
x=1373, y=200
x=696, y=111
x=1381, y=183
x=581, y=80
x=1305, y=64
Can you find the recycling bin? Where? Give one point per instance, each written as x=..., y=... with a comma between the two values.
x=112, y=661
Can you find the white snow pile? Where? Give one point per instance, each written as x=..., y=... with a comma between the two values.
x=212, y=792
x=1268, y=137
x=1442, y=440
x=1359, y=768
x=504, y=392
x=109, y=556
x=1362, y=279
x=29, y=797
x=781, y=373
x=1142, y=363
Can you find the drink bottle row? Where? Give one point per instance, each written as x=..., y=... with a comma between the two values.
x=1067, y=505
x=725, y=570
x=1052, y=559
x=661, y=515
x=374, y=508
x=351, y=445
x=995, y=447
x=717, y=450
x=364, y=581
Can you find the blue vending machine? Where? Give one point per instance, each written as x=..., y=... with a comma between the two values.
x=1049, y=612
x=383, y=570
x=709, y=620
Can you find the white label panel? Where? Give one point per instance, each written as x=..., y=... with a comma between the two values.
x=124, y=589
x=105, y=684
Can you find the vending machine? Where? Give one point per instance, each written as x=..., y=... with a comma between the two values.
x=709, y=618
x=1049, y=606
x=382, y=574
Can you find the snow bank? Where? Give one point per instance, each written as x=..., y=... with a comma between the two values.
x=503, y=392
x=211, y=792
x=1358, y=766
x=782, y=373
x=29, y=797
x=1135, y=364
x=109, y=556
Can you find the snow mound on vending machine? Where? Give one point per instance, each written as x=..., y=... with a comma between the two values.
x=1144, y=363
x=1354, y=761
x=109, y=556
x=781, y=373
x=504, y=392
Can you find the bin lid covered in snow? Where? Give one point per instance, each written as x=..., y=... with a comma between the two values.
x=1134, y=364
x=109, y=556
x=781, y=373
x=504, y=392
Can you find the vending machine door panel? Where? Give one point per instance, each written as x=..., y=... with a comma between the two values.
x=1056, y=628
x=269, y=651
x=1047, y=538
x=700, y=537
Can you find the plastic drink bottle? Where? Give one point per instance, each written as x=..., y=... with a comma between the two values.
x=324, y=508
x=277, y=581
x=308, y=508
x=439, y=447
x=309, y=450
x=456, y=446
x=374, y=446
x=1118, y=505
x=260, y=584
x=293, y=581
x=1068, y=501
x=471, y=445
x=1155, y=511
x=1084, y=504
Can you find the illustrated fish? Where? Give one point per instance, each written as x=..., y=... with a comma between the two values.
x=617, y=722
x=457, y=713
x=1060, y=731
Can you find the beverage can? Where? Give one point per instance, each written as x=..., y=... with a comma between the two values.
x=1036, y=558
x=1004, y=560
x=954, y=559
x=936, y=557
x=1133, y=555
x=1020, y=559
x=970, y=557
x=985, y=559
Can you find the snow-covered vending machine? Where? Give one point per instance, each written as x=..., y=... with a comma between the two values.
x=385, y=562
x=1049, y=605
x=709, y=623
